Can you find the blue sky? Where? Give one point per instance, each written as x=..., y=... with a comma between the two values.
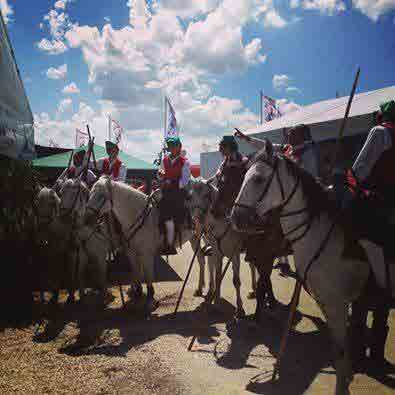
x=211, y=57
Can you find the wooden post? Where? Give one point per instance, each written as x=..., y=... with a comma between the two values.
x=284, y=339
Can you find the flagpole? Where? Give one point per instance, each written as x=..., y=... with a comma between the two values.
x=164, y=131
x=261, y=106
x=109, y=127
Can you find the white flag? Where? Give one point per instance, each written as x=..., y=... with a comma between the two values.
x=172, y=127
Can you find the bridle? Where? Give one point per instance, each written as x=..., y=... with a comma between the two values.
x=279, y=209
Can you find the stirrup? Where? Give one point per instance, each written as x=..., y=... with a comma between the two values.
x=207, y=250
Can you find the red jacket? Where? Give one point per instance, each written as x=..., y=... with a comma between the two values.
x=173, y=170
x=114, y=171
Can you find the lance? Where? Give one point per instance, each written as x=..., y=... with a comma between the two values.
x=339, y=155
x=93, y=151
x=68, y=167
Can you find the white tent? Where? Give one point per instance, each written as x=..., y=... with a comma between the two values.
x=324, y=119
x=16, y=119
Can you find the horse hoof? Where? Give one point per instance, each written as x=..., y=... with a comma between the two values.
x=251, y=295
x=198, y=293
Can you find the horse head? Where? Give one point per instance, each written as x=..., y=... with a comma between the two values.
x=47, y=204
x=201, y=196
x=260, y=192
x=74, y=197
x=99, y=201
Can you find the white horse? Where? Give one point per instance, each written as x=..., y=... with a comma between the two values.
x=92, y=244
x=309, y=219
x=223, y=239
x=195, y=243
x=54, y=237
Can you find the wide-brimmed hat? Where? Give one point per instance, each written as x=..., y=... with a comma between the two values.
x=229, y=141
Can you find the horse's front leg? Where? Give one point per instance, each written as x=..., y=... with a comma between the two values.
x=336, y=313
x=253, y=271
x=240, y=313
x=212, y=266
x=202, y=262
x=147, y=261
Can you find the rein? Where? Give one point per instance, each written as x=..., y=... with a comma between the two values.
x=280, y=208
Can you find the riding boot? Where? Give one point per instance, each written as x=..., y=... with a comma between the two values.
x=169, y=248
x=358, y=335
x=379, y=337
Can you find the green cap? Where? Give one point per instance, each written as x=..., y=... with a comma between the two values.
x=173, y=141
x=110, y=144
x=387, y=110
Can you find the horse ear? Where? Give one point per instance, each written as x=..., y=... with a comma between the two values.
x=269, y=148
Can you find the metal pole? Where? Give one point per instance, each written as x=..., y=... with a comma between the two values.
x=165, y=123
x=109, y=127
x=261, y=106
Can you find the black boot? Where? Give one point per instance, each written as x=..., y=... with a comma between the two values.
x=378, y=364
x=168, y=250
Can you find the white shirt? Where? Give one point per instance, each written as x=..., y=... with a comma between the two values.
x=185, y=173
x=378, y=141
x=122, y=170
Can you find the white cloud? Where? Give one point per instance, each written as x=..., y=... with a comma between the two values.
x=71, y=89
x=281, y=81
x=273, y=19
x=53, y=47
x=59, y=73
x=58, y=23
x=61, y=4
x=374, y=8
x=65, y=105
x=133, y=67
x=293, y=89
x=286, y=106
x=329, y=7
x=6, y=10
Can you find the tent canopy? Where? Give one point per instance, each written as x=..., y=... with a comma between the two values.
x=62, y=160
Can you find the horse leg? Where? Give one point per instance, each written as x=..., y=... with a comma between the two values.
x=253, y=271
x=201, y=260
x=260, y=298
x=147, y=262
x=218, y=273
x=212, y=265
x=337, y=317
x=240, y=313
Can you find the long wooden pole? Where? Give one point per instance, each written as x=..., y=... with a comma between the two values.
x=344, y=122
x=284, y=339
x=213, y=296
x=93, y=150
x=188, y=274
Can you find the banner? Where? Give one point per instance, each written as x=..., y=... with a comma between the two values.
x=16, y=118
x=81, y=138
x=171, y=125
x=270, y=109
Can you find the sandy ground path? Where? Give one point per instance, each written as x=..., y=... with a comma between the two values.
x=85, y=350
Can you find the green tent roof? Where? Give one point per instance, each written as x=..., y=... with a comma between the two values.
x=62, y=160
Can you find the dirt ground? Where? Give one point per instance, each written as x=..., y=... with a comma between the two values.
x=84, y=349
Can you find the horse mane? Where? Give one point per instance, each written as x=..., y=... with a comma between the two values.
x=316, y=196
